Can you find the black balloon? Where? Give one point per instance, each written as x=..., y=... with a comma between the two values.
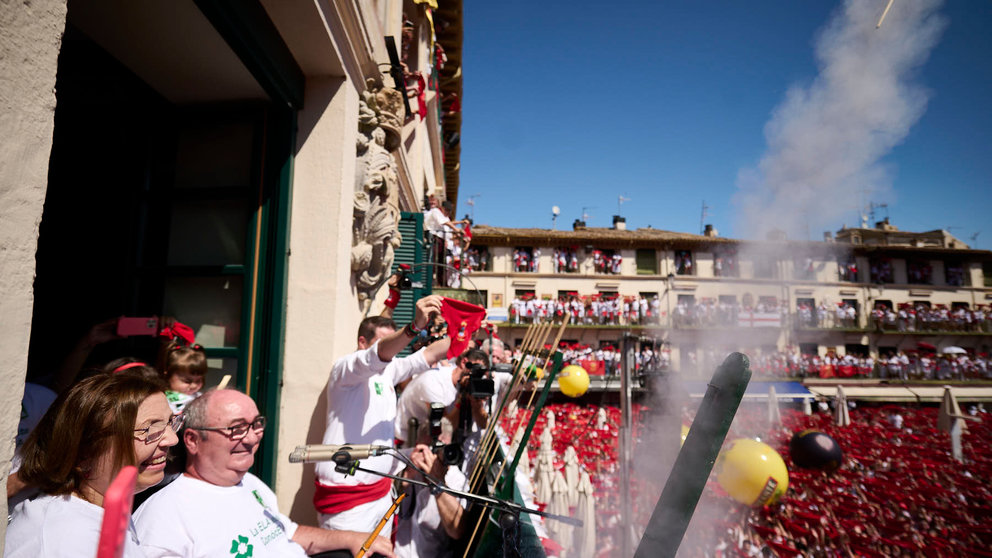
x=812, y=449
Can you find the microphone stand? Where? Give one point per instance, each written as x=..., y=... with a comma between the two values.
x=350, y=467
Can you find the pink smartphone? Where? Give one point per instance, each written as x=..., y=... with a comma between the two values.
x=117, y=513
x=127, y=327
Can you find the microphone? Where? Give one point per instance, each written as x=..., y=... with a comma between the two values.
x=338, y=454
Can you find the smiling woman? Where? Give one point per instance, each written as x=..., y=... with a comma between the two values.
x=90, y=433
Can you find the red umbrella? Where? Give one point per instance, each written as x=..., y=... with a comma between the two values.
x=926, y=346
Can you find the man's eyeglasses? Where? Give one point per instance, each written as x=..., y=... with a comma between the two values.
x=237, y=431
x=155, y=430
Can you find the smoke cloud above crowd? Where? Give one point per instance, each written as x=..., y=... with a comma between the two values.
x=827, y=139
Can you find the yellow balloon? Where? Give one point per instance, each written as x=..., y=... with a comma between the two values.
x=752, y=473
x=685, y=432
x=573, y=380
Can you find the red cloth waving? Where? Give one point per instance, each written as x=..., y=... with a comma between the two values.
x=463, y=320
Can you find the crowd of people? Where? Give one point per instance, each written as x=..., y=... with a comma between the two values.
x=132, y=413
x=923, y=317
x=196, y=446
x=913, y=364
x=897, y=493
x=156, y=419
x=451, y=244
x=594, y=309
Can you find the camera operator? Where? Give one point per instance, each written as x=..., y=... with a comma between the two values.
x=438, y=385
x=430, y=522
x=434, y=520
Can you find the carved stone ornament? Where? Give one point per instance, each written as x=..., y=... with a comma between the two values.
x=375, y=228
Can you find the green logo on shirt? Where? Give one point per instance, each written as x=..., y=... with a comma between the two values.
x=378, y=388
x=240, y=547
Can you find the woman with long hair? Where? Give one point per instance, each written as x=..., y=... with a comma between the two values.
x=89, y=434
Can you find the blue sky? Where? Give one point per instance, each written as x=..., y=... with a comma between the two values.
x=666, y=103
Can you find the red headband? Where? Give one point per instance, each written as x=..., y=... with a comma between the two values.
x=124, y=367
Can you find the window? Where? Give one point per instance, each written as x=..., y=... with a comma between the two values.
x=566, y=260
x=683, y=263
x=919, y=272
x=726, y=310
x=804, y=267
x=725, y=261
x=767, y=303
x=810, y=349
x=526, y=259
x=477, y=258
x=607, y=261
x=847, y=268
x=986, y=273
x=647, y=261
x=806, y=312
x=880, y=270
x=855, y=349
x=955, y=276
x=764, y=267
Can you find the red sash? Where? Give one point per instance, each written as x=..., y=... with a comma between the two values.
x=337, y=499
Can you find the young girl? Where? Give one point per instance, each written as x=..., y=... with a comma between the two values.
x=184, y=369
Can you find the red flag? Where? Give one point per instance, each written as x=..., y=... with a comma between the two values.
x=463, y=320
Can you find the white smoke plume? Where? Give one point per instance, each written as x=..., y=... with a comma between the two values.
x=826, y=138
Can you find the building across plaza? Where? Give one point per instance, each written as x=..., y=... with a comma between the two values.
x=867, y=292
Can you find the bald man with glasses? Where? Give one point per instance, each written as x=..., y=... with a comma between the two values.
x=216, y=507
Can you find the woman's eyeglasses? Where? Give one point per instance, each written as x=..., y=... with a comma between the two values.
x=155, y=430
x=237, y=431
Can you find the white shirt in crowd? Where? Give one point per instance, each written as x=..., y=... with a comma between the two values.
x=361, y=409
x=423, y=535
x=57, y=527
x=433, y=386
x=195, y=519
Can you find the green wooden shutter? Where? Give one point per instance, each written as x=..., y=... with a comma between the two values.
x=647, y=262
x=412, y=251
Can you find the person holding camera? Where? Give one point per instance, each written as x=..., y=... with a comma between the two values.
x=435, y=519
x=432, y=521
x=361, y=408
x=440, y=385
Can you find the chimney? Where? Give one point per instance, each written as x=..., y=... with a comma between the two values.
x=828, y=236
x=709, y=231
x=578, y=225
x=619, y=223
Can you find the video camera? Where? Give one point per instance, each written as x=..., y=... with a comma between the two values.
x=480, y=382
x=403, y=281
x=450, y=454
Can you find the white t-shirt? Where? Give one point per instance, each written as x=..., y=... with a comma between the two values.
x=178, y=400
x=434, y=221
x=361, y=408
x=59, y=526
x=193, y=519
x=423, y=535
x=433, y=386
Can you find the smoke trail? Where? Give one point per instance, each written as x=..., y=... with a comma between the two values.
x=825, y=139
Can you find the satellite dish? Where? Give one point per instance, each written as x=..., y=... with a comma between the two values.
x=555, y=210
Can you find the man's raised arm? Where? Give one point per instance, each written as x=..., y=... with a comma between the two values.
x=392, y=344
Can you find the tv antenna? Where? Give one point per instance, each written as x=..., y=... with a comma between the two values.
x=868, y=217
x=471, y=203
x=702, y=217
x=586, y=216
x=620, y=200
x=555, y=211
x=974, y=240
